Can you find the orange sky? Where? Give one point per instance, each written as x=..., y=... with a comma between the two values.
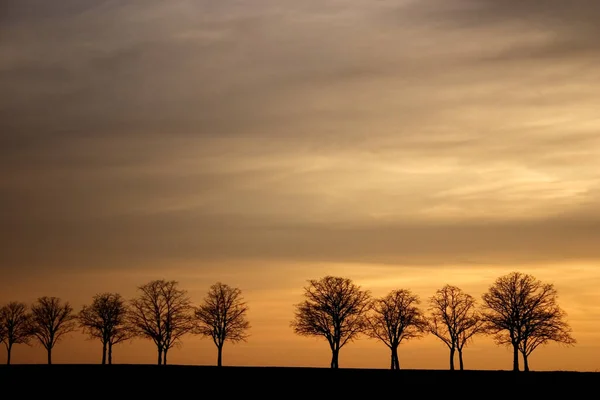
x=271, y=290
x=399, y=143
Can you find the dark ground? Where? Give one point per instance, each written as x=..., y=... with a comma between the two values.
x=166, y=382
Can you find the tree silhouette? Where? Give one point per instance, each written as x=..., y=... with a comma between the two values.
x=546, y=324
x=522, y=312
x=14, y=326
x=222, y=316
x=454, y=319
x=106, y=319
x=162, y=313
x=396, y=318
x=50, y=321
x=335, y=308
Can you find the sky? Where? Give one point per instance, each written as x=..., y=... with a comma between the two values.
x=403, y=144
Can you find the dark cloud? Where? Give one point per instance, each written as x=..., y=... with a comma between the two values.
x=136, y=241
x=17, y=11
x=575, y=14
x=570, y=27
x=148, y=130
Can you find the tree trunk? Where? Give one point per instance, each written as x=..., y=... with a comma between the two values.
x=220, y=355
x=452, y=350
x=334, y=358
x=103, y=353
x=165, y=356
x=515, y=357
x=8, y=351
x=159, y=355
x=460, y=360
x=49, y=350
x=395, y=361
x=109, y=353
x=525, y=363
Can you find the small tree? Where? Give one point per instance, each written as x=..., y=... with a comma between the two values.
x=50, y=321
x=454, y=320
x=162, y=313
x=14, y=326
x=105, y=319
x=396, y=318
x=522, y=312
x=335, y=308
x=222, y=316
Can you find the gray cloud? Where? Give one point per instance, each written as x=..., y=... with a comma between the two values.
x=570, y=27
x=139, y=241
x=313, y=130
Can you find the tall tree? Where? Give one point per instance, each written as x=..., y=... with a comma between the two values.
x=2, y=331
x=51, y=319
x=396, y=318
x=334, y=308
x=545, y=324
x=222, y=316
x=14, y=326
x=454, y=319
x=106, y=319
x=162, y=313
x=521, y=311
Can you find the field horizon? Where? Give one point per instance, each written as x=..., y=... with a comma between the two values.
x=282, y=381
x=277, y=367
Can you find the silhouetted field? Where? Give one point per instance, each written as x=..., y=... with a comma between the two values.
x=152, y=381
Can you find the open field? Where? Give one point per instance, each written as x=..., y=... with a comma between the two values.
x=77, y=381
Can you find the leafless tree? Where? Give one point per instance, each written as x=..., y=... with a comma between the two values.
x=454, y=319
x=545, y=324
x=106, y=319
x=522, y=312
x=14, y=326
x=162, y=313
x=335, y=308
x=396, y=318
x=51, y=319
x=222, y=316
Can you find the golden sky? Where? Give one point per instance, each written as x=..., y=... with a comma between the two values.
x=402, y=144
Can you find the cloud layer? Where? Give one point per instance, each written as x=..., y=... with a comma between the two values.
x=422, y=131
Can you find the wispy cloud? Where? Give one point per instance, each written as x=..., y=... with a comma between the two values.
x=424, y=131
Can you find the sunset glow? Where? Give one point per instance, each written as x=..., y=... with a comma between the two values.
x=402, y=144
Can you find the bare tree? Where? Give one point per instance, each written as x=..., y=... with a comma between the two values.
x=14, y=325
x=454, y=319
x=222, y=316
x=51, y=319
x=545, y=324
x=335, y=308
x=162, y=313
x=522, y=312
x=2, y=331
x=396, y=318
x=106, y=319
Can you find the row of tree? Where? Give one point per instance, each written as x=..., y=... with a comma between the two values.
x=517, y=310
x=162, y=312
